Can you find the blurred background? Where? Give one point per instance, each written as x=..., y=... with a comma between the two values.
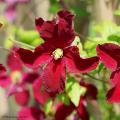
x=96, y=21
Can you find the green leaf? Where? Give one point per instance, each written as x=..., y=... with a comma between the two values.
x=114, y=37
x=37, y=41
x=80, y=11
x=27, y=36
x=48, y=105
x=62, y=97
x=74, y=90
x=117, y=12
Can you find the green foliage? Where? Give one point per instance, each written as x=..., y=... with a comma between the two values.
x=80, y=11
x=114, y=37
x=55, y=6
x=74, y=90
x=101, y=33
x=117, y=12
x=63, y=98
x=30, y=37
x=48, y=105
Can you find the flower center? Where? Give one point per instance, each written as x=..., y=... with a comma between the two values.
x=58, y=53
x=16, y=77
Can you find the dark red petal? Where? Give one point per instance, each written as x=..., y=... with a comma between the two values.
x=66, y=15
x=32, y=113
x=4, y=81
x=63, y=111
x=26, y=56
x=54, y=76
x=22, y=98
x=57, y=32
x=41, y=55
x=40, y=94
x=77, y=64
x=91, y=90
x=45, y=29
x=30, y=77
x=64, y=37
x=115, y=77
x=82, y=111
x=14, y=62
x=109, y=54
x=2, y=69
x=113, y=94
x=38, y=23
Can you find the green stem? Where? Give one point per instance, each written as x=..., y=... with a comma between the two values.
x=23, y=44
x=94, y=78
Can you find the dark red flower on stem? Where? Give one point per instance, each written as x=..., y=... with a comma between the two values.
x=63, y=111
x=109, y=54
x=30, y=113
x=17, y=80
x=56, y=53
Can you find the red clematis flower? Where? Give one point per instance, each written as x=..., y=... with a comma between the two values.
x=109, y=54
x=30, y=113
x=64, y=111
x=17, y=81
x=56, y=53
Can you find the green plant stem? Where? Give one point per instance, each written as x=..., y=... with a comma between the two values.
x=94, y=78
x=21, y=43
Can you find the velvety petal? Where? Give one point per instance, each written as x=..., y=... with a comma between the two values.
x=82, y=111
x=91, y=90
x=56, y=32
x=77, y=64
x=66, y=15
x=39, y=56
x=45, y=29
x=109, y=54
x=22, y=98
x=14, y=62
x=63, y=38
x=54, y=76
x=63, y=111
x=40, y=94
x=39, y=22
x=115, y=77
x=10, y=12
x=42, y=54
x=2, y=69
x=26, y=56
x=32, y=113
x=113, y=94
x=30, y=77
x=4, y=81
